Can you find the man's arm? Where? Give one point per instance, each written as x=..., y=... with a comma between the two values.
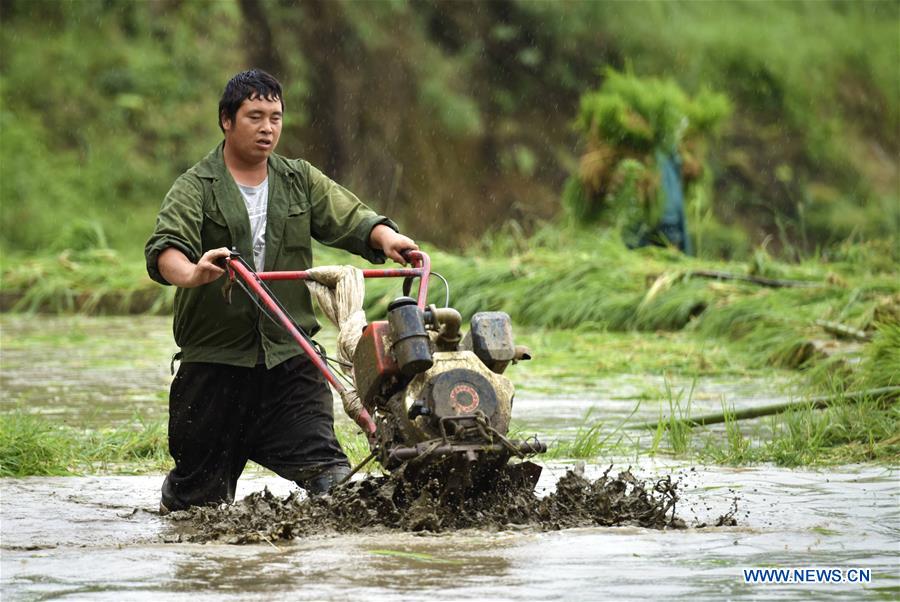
x=177, y=229
x=340, y=219
x=176, y=268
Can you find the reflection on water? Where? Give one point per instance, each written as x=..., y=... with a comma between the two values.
x=100, y=538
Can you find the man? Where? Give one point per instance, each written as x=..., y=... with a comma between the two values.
x=245, y=390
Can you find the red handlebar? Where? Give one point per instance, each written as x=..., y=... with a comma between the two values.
x=254, y=281
x=420, y=258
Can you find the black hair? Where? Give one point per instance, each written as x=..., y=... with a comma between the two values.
x=254, y=83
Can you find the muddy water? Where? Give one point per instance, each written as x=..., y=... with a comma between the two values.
x=85, y=370
x=100, y=537
x=617, y=400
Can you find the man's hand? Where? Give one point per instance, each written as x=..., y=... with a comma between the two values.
x=391, y=243
x=181, y=271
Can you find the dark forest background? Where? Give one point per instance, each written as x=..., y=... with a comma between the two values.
x=454, y=117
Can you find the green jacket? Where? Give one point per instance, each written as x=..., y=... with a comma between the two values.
x=205, y=210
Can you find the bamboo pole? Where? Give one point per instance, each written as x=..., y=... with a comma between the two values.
x=770, y=282
x=843, y=331
x=777, y=408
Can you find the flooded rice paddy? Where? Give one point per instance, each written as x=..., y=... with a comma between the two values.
x=105, y=371
x=101, y=538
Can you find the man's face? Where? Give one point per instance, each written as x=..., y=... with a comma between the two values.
x=255, y=130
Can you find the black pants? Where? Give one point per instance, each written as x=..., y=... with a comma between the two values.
x=221, y=416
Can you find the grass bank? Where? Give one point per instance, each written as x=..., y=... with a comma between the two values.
x=96, y=280
x=850, y=429
x=846, y=432
x=488, y=95
x=580, y=281
x=589, y=308
x=32, y=445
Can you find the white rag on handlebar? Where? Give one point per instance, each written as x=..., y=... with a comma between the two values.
x=340, y=291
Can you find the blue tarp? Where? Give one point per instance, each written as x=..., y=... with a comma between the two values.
x=672, y=226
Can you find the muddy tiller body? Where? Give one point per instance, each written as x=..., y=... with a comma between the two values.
x=437, y=403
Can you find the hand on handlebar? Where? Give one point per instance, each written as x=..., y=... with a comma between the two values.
x=393, y=244
x=210, y=266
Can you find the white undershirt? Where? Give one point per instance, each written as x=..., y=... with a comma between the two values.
x=257, y=200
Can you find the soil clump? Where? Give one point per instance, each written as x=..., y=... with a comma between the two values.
x=391, y=502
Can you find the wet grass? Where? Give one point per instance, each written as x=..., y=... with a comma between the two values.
x=673, y=427
x=734, y=445
x=880, y=366
x=582, y=282
x=847, y=431
x=592, y=440
x=91, y=281
x=33, y=445
x=354, y=444
x=581, y=355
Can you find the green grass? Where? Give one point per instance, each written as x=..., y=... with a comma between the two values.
x=91, y=281
x=757, y=54
x=578, y=357
x=591, y=441
x=560, y=279
x=140, y=75
x=33, y=445
x=814, y=87
x=735, y=444
x=354, y=444
x=678, y=433
x=845, y=432
x=880, y=366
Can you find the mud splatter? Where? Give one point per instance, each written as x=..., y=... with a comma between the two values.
x=729, y=519
x=390, y=503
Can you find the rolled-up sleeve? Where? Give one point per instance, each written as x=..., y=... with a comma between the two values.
x=340, y=219
x=177, y=225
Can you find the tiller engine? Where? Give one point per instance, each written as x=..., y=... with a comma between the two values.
x=433, y=403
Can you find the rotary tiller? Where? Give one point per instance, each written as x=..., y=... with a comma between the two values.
x=437, y=403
